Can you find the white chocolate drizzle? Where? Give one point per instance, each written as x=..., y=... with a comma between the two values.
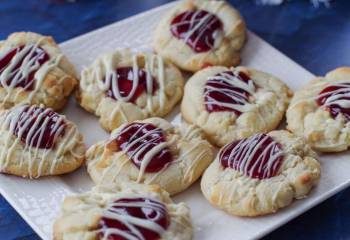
x=153, y=66
x=339, y=96
x=155, y=135
x=35, y=158
x=199, y=25
x=242, y=155
x=115, y=212
x=31, y=119
x=30, y=63
x=117, y=167
x=227, y=82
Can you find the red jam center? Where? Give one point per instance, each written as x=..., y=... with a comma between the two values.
x=138, y=139
x=22, y=71
x=198, y=28
x=227, y=91
x=116, y=218
x=258, y=156
x=38, y=127
x=123, y=85
x=336, y=99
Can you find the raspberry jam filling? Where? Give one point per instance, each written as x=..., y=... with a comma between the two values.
x=134, y=218
x=128, y=86
x=146, y=146
x=228, y=91
x=198, y=28
x=18, y=66
x=258, y=156
x=38, y=127
x=336, y=99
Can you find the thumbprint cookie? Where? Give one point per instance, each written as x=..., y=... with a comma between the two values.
x=36, y=141
x=123, y=211
x=196, y=34
x=34, y=71
x=233, y=103
x=122, y=87
x=151, y=151
x=261, y=174
x=320, y=112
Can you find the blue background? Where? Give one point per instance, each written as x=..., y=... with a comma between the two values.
x=316, y=38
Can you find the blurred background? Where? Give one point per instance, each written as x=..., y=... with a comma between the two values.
x=318, y=38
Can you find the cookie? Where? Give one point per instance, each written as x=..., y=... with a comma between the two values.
x=261, y=174
x=34, y=71
x=151, y=151
x=122, y=87
x=36, y=141
x=320, y=112
x=196, y=34
x=123, y=211
x=233, y=103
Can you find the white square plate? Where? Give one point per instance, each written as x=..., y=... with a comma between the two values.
x=38, y=201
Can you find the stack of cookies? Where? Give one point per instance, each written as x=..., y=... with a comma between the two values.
x=233, y=109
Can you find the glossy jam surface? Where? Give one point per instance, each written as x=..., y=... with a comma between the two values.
x=227, y=91
x=198, y=28
x=126, y=85
x=138, y=139
x=39, y=127
x=336, y=99
x=116, y=224
x=258, y=156
x=22, y=71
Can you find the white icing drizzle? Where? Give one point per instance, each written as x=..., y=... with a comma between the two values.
x=228, y=81
x=112, y=212
x=121, y=111
x=244, y=151
x=37, y=116
x=117, y=167
x=109, y=80
x=199, y=25
x=340, y=97
x=189, y=169
x=29, y=64
x=188, y=175
x=31, y=154
x=147, y=158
